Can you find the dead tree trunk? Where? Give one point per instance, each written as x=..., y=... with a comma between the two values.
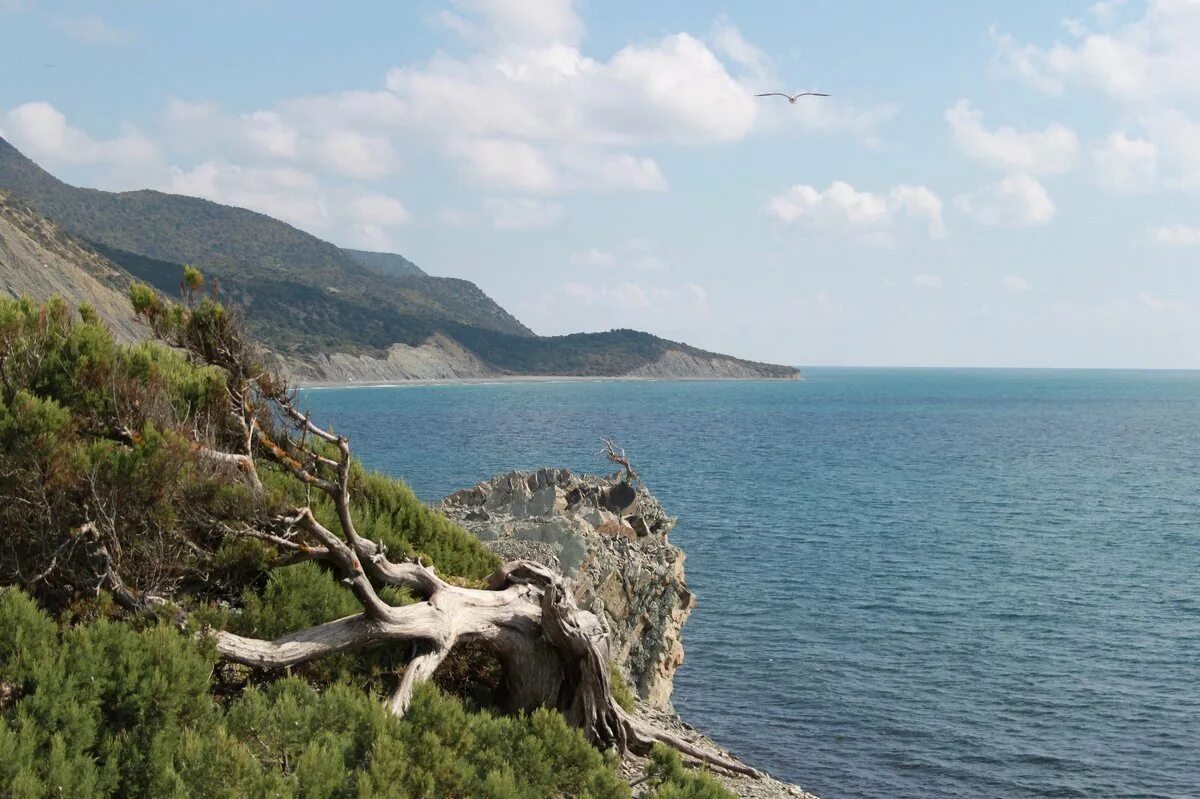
x=552, y=653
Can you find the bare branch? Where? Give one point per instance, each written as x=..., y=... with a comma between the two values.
x=617, y=455
x=244, y=463
x=420, y=669
x=346, y=560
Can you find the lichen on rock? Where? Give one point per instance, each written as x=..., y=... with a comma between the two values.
x=610, y=539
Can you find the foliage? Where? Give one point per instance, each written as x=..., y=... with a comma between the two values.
x=94, y=432
x=103, y=473
x=668, y=779
x=88, y=434
x=387, y=510
x=622, y=691
x=104, y=710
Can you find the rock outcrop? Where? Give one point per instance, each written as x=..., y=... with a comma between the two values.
x=675, y=364
x=611, y=540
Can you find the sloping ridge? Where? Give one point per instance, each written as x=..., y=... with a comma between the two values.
x=387, y=263
x=39, y=260
x=335, y=314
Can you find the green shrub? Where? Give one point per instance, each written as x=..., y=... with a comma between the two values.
x=105, y=710
x=668, y=779
x=621, y=690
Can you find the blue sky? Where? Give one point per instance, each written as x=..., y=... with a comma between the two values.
x=991, y=183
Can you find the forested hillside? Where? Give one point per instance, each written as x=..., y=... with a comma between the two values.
x=309, y=300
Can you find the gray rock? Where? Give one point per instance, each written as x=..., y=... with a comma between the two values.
x=610, y=540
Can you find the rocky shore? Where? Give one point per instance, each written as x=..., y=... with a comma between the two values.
x=610, y=539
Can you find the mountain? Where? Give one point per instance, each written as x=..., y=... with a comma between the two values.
x=336, y=314
x=386, y=263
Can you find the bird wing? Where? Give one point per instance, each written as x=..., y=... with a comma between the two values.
x=772, y=94
x=812, y=94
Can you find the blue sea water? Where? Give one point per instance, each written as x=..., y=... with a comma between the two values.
x=933, y=583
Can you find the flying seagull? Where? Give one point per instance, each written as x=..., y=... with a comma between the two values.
x=791, y=98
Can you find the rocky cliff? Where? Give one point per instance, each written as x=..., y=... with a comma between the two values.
x=438, y=358
x=610, y=539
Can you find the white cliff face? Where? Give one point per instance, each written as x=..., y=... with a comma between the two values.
x=678, y=364
x=438, y=358
x=611, y=542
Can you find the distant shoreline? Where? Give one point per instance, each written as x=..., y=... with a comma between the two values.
x=483, y=381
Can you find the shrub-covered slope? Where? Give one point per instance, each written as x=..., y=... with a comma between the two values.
x=111, y=492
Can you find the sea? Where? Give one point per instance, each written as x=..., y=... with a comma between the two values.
x=910, y=582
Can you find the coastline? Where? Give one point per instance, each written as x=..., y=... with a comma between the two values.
x=309, y=385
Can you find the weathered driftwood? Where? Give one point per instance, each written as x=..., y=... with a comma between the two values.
x=552, y=653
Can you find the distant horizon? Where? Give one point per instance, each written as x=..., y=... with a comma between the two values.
x=997, y=184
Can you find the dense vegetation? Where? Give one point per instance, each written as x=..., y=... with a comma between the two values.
x=116, y=709
x=305, y=297
x=247, y=248
x=109, y=495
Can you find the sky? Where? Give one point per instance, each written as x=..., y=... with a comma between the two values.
x=990, y=183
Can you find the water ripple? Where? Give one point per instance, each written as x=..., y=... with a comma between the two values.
x=911, y=582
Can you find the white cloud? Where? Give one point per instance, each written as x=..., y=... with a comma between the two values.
x=1177, y=138
x=729, y=42
x=1154, y=56
x=529, y=22
x=92, y=29
x=842, y=207
x=379, y=210
x=674, y=90
x=42, y=132
x=358, y=156
x=282, y=192
x=618, y=171
x=594, y=259
x=1160, y=304
x=1175, y=236
x=508, y=163
x=1016, y=200
x=456, y=217
x=685, y=299
x=1015, y=284
x=919, y=203
x=1105, y=11
x=1149, y=64
x=203, y=127
x=635, y=259
x=509, y=213
x=266, y=131
x=296, y=197
x=1044, y=152
x=629, y=294
x=1125, y=164
x=927, y=281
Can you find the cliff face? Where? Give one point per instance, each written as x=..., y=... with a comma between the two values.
x=438, y=358
x=611, y=540
x=39, y=260
x=680, y=364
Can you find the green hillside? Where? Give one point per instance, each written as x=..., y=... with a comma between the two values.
x=305, y=297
